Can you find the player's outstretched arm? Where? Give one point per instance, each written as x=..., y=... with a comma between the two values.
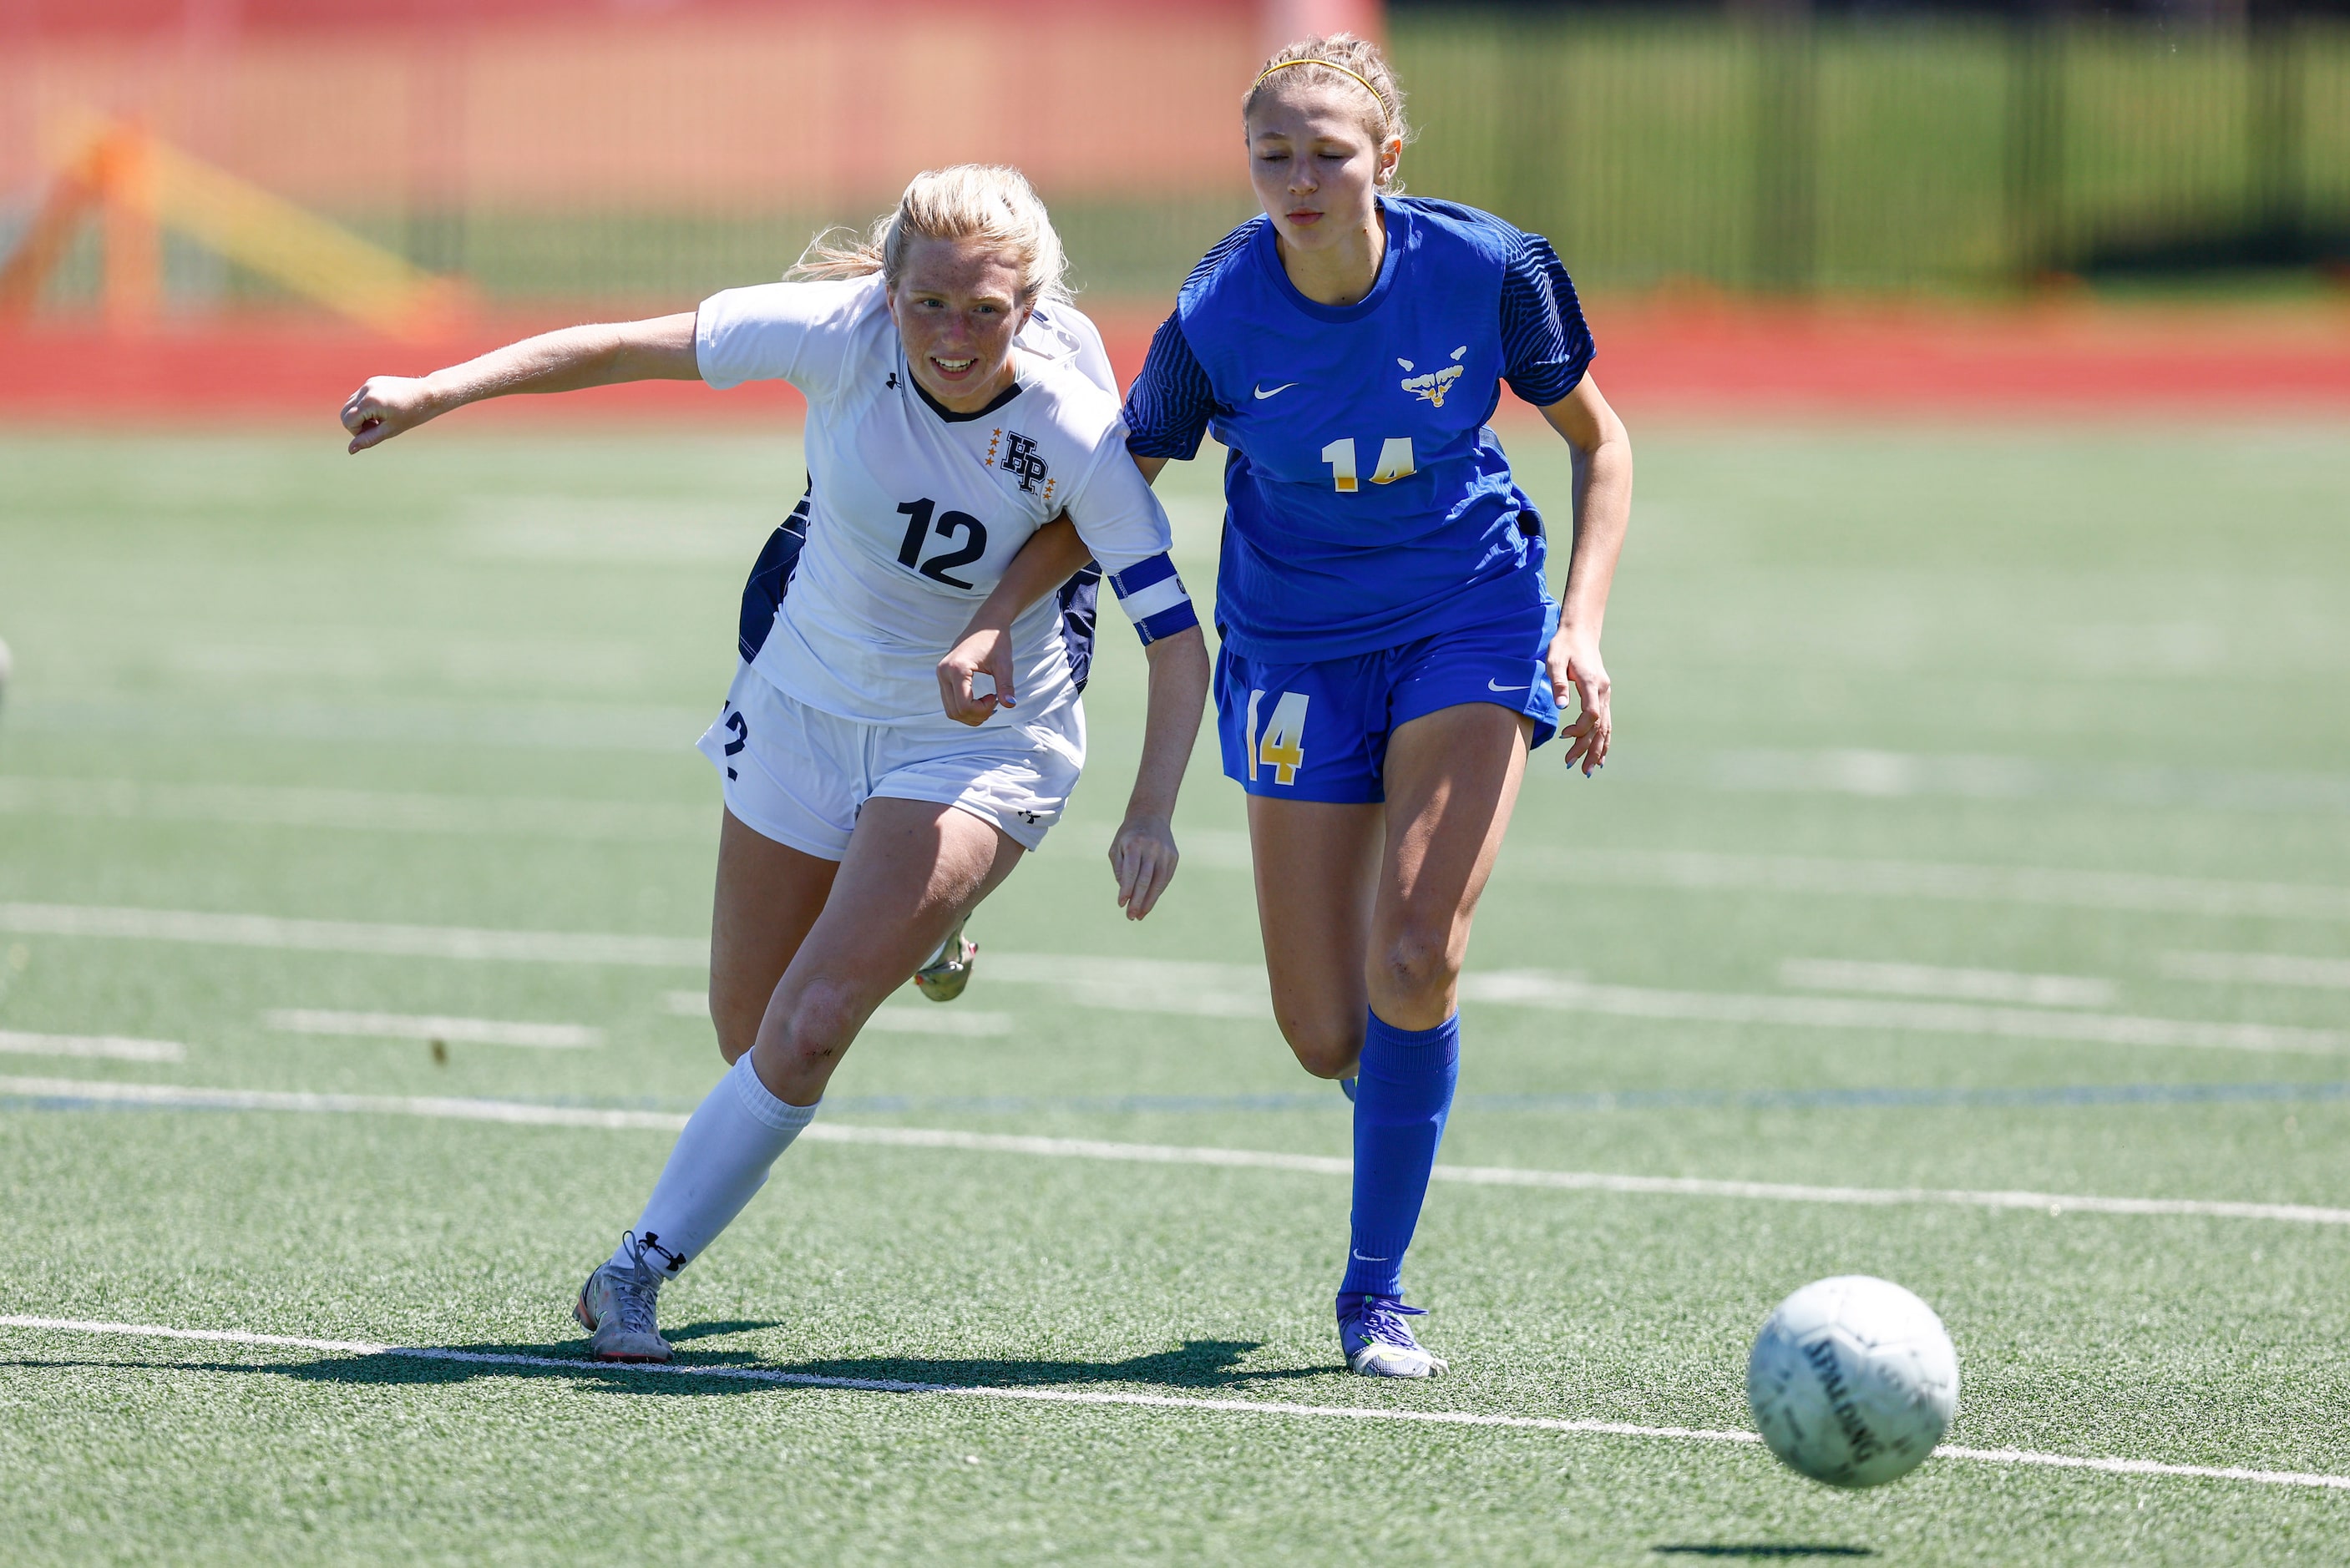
x=1143, y=851
x=1050, y=558
x=1603, y=510
x=660, y=349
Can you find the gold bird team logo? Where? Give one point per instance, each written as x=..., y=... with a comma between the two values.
x=1437, y=382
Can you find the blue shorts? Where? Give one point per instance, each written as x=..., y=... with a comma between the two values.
x=1319, y=732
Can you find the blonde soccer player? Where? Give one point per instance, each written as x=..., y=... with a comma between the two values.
x=1391, y=652
x=958, y=403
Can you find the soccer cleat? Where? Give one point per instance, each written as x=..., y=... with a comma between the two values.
x=616, y=1307
x=948, y=968
x=1377, y=1343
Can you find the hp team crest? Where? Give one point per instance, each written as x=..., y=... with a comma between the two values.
x=1021, y=460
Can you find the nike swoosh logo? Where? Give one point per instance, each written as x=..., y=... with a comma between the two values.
x=1262, y=394
x=1493, y=685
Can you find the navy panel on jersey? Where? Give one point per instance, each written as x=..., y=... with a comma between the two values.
x=1368, y=502
x=771, y=579
x=1080, y=602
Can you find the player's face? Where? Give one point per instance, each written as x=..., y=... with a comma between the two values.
x=1315, y=164
x=958, y=308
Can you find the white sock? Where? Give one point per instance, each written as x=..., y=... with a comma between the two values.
x=720, y=1159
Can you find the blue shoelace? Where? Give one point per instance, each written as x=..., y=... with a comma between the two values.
x=1381, y=1318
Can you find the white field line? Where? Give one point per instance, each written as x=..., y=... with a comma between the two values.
x=1138, y=984
x=525, y=1114
x=1533, y=988
x=909, y=1018
x=931, y=1019
x=1790, y=874
x=267, y=806
x=1701, y=871
x=425, y=1026
x=169, y=1097
x=2259, y=969
x=116, y=1047
x=1238, y=990
x=1144, y=1401
x=352, y=936
x=562, y=726
x=1683, y=870
x=1891, y=775
x=1955, y=984
x=1160, y=986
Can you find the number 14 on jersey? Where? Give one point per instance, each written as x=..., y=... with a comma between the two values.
x=1395, y=461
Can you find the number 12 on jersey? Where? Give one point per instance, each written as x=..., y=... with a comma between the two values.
x=918, y=527
x=1395, y=461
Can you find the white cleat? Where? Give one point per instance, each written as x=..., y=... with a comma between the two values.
x=616, y=1306
x=1377, y=1343
x=948, y=968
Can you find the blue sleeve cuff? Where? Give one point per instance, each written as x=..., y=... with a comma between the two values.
x=1545, y=344
x=1172, y=401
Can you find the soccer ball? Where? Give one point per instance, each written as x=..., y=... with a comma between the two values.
x=1853, y=1381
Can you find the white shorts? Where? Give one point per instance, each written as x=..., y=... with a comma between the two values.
x=799, y=775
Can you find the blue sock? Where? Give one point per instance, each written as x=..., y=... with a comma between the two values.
x=1403, y=1093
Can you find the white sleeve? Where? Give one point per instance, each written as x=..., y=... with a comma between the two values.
x=1063, y=332
x=803, y=333
x=1121, y=521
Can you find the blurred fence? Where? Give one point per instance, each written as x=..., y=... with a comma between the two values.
x=1892, y=150
x=638, y=156
x=630, y=153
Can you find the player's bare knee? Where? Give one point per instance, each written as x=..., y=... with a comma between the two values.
x=824, y=1019
x=1325, y=1047
x=1417, y=965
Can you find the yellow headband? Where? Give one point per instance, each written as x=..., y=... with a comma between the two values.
x=1327, y=66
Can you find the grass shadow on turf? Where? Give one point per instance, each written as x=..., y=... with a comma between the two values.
x=1762, y=1551
x=1195, y=1363
x=717, y=1327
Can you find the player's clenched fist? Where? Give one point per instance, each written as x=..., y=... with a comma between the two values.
x=983, y=651
x=384, y=407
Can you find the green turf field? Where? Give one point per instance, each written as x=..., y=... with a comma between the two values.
x=1981, y=824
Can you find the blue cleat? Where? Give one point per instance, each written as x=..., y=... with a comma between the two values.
x=1377, y=1343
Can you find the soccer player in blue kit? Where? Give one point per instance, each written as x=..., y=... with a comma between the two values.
x=1391, y=652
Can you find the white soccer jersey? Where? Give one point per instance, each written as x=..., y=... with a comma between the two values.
x=913, y=512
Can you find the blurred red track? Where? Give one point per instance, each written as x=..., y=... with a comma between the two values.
x=1709, y=361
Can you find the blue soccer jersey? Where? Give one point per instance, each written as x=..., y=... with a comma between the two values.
x=1368, y=502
